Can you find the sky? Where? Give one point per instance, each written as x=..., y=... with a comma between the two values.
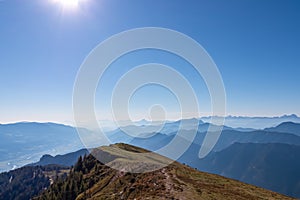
x=254, y=43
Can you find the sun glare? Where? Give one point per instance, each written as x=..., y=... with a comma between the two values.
x=68, y=3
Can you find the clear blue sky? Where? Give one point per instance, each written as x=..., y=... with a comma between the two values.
x=255, y=44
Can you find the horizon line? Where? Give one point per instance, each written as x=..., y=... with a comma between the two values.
x=71, y=123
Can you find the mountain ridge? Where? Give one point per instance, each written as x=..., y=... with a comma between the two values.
x=286, y=127
x=175, y=181
x=68, y=159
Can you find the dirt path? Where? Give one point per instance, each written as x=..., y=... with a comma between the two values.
x=168, y=182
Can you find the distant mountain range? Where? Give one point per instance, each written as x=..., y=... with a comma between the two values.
x=230, y=121
x=256, y=122
x=24, y=143
x=227, y=137
x=259, y=157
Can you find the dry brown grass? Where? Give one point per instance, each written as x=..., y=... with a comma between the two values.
x=175, y=181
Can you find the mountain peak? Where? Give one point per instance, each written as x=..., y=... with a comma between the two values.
x=290, y=116
x=91, y=179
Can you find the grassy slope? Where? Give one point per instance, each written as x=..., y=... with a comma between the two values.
x=175, y=181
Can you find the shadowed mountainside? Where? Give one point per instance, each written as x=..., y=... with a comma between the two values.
x=29, y=181
x=68, y=159
x=272, y=166
x=286, y=127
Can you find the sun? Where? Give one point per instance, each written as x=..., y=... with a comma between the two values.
x=68, y=3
